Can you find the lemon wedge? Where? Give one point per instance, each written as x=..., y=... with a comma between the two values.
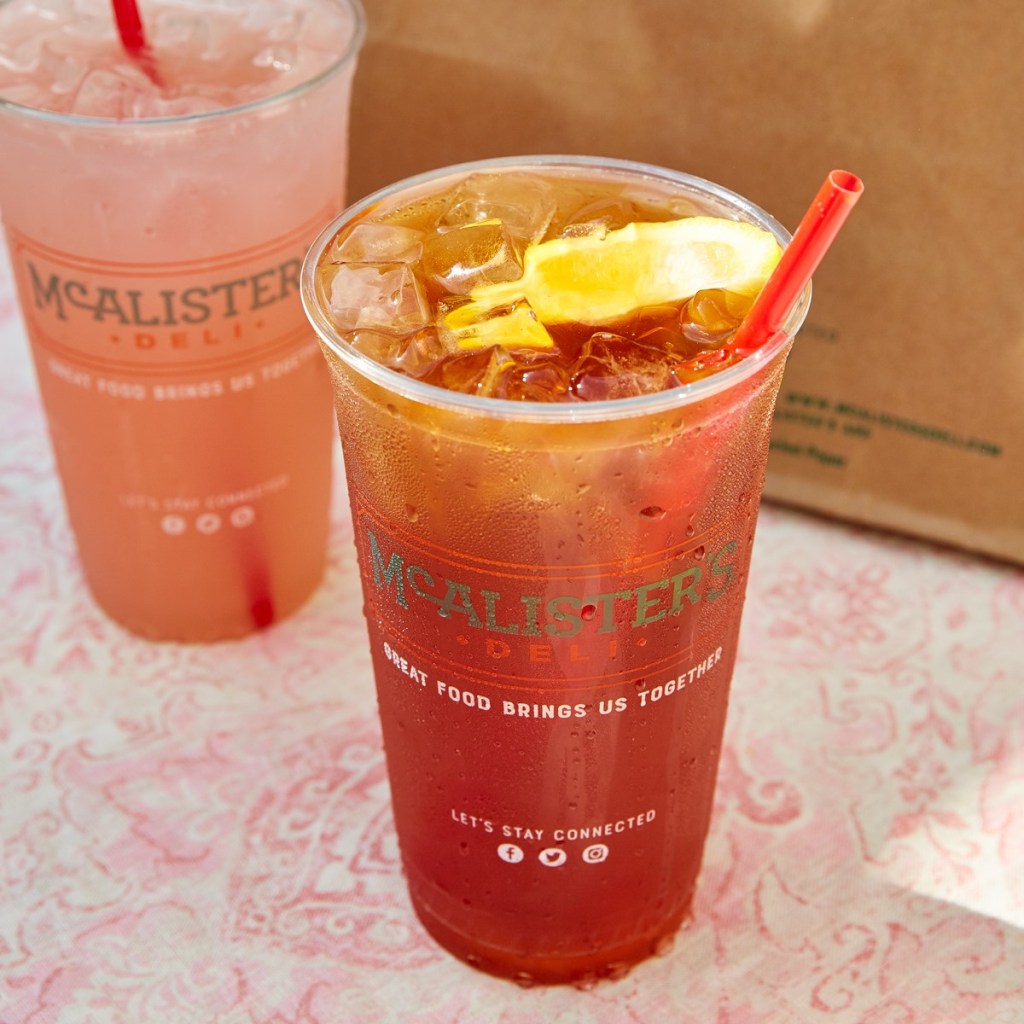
x=600, y=278
x=471, y=326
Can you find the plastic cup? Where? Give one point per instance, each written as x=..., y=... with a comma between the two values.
x=157, y=263
x=553, y=598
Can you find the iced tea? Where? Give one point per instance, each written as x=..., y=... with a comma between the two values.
x=554, y=541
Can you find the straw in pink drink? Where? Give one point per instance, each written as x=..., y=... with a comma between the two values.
x=133, y=37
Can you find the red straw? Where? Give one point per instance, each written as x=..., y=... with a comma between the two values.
x=820, y=224
x=133, y=37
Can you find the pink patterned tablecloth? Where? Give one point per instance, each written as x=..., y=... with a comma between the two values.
x=201, y=835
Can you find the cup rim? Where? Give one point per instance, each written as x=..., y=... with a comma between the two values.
x=71, y=120
x=550, y=412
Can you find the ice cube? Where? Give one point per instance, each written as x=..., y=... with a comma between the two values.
x=474, y=373
x=61, y=11
x=703, y=365
x=610, y=366
x=279, y=57
x=413, y=354
x=110, y=94
x=491, y=383
x=92, y=23
x=678, y=208
x=523, y=203
x=220, y=42
x=386, y=297
x=711, y=316
x=63, y=72
x=174, y=30
x=370, y=242
x=418, y=353
x=602, y=215
x=460, y=258
x=666, y=340
x=534, y=380
x=271, y=19
x=378, y=347
x=21, y=56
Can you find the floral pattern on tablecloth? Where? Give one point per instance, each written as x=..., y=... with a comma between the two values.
x=201, y=835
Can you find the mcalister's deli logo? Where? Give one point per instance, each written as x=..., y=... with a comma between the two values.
x=562, y=615
x=162, y=316
x=64, y=297
x=576, y=627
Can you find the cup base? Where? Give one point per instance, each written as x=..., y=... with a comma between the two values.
x=581, y=969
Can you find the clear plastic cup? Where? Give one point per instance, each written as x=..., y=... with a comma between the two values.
x=157, y=262
x=553, y=596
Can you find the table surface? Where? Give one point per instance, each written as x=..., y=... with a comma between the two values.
x=202, y=835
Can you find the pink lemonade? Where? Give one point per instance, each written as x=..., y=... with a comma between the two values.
x=554, y=530
x=156, y=232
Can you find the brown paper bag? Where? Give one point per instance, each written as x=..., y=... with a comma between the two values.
x=903, y=402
